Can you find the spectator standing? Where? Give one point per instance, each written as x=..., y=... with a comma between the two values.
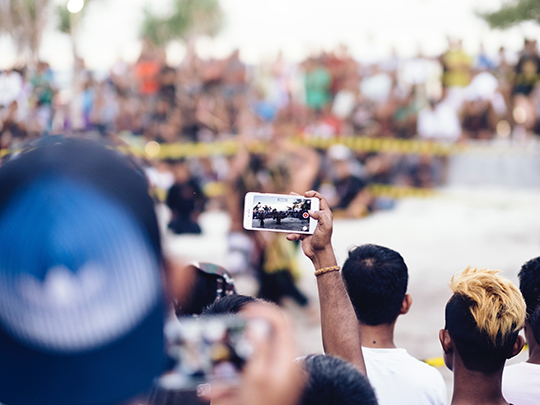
x=185, y=199
x=317, y=84
x=376, y=279
x=483, y=320
x=520, y=381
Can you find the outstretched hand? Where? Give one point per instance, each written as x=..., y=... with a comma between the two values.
x=270, y=377
x=320, y=241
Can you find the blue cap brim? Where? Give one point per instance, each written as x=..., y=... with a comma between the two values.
x=107, y=376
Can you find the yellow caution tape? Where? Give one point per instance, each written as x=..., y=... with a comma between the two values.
x=435, y=362
x=154, y=150
x=397, y=192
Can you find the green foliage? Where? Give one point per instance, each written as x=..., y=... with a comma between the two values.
x=513, y=13
x=187, y=19
x=65, y=18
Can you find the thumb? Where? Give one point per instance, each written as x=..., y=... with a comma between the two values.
x=314, y=214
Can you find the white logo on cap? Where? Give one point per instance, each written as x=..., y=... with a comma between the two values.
x=62, y=287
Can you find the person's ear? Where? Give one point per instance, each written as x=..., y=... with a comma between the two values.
x=406, y=304
x=446, y=341
x=448, y=348
x=518, y=347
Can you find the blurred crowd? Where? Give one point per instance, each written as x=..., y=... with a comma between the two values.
x=94, y=311
x=451, y=98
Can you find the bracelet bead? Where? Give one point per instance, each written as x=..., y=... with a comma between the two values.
x=326, y=270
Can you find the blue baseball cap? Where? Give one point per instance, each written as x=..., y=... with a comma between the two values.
x=81, y=301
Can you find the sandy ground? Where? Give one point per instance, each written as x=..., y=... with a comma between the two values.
x=483, y=227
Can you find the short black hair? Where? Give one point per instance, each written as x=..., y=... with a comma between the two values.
x=476, y=350
x=529, y=284
x=484, y=317
x=231, y=304
x=376, y=278
x=333, y=381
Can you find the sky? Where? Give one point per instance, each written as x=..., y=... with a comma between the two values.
x=281, y=204
x=260, y=29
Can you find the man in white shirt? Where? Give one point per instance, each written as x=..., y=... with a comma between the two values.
x=520, y=382
x=440, y=122
x=10, y=87
x=376, y=278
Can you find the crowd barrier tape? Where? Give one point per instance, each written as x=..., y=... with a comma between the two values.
x=218, y=189
x=154, y=150
x=356, y=144
x=398, y=192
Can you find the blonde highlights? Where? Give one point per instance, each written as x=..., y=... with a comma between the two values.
x=495, y=303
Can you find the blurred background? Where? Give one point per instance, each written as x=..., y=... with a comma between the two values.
x=417, y=119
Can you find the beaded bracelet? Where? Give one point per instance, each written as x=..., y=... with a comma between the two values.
x=327, y=270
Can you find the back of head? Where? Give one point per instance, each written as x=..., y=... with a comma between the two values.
x=483, y=317
x=529, y=284
x=332, y=381
x=229, y=305
x=81, y=304
x=376, y=278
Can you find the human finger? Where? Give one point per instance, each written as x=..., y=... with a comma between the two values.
x=295, y=237
x=323, y=205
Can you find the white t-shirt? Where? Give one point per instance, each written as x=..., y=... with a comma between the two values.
x=521, y=384
x=440, y=123
x=398, y=378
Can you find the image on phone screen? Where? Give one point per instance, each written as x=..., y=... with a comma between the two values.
x=283, y=213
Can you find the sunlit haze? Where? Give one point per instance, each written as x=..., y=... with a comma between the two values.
x=297, y=27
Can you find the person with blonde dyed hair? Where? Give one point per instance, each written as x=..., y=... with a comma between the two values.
x=483, y=320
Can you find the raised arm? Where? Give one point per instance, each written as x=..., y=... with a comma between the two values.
x=340, y=329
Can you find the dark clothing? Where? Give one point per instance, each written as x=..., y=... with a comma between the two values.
x=275, y=286
x=347, y=190
x=527, y=74
x=186, y=201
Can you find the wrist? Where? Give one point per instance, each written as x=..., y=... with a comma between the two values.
x=324, y=258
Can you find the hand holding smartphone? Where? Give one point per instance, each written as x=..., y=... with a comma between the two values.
x=212, y=349
x=280, y=213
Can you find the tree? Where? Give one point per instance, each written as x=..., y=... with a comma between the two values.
x=67, y=22
x=513, y=13
x=24, y=21
x=188, y=19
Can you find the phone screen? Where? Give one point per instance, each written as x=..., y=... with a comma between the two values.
x=283, y=213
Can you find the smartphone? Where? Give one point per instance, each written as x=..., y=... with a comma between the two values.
x=279, y=213
x=209, y=350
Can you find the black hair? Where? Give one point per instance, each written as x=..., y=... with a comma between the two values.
x=476, y=349
x=203, y=293
x=533, y=322
x=529, y=284
x=231, y=304
x=376, y=278
x=333, y=381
